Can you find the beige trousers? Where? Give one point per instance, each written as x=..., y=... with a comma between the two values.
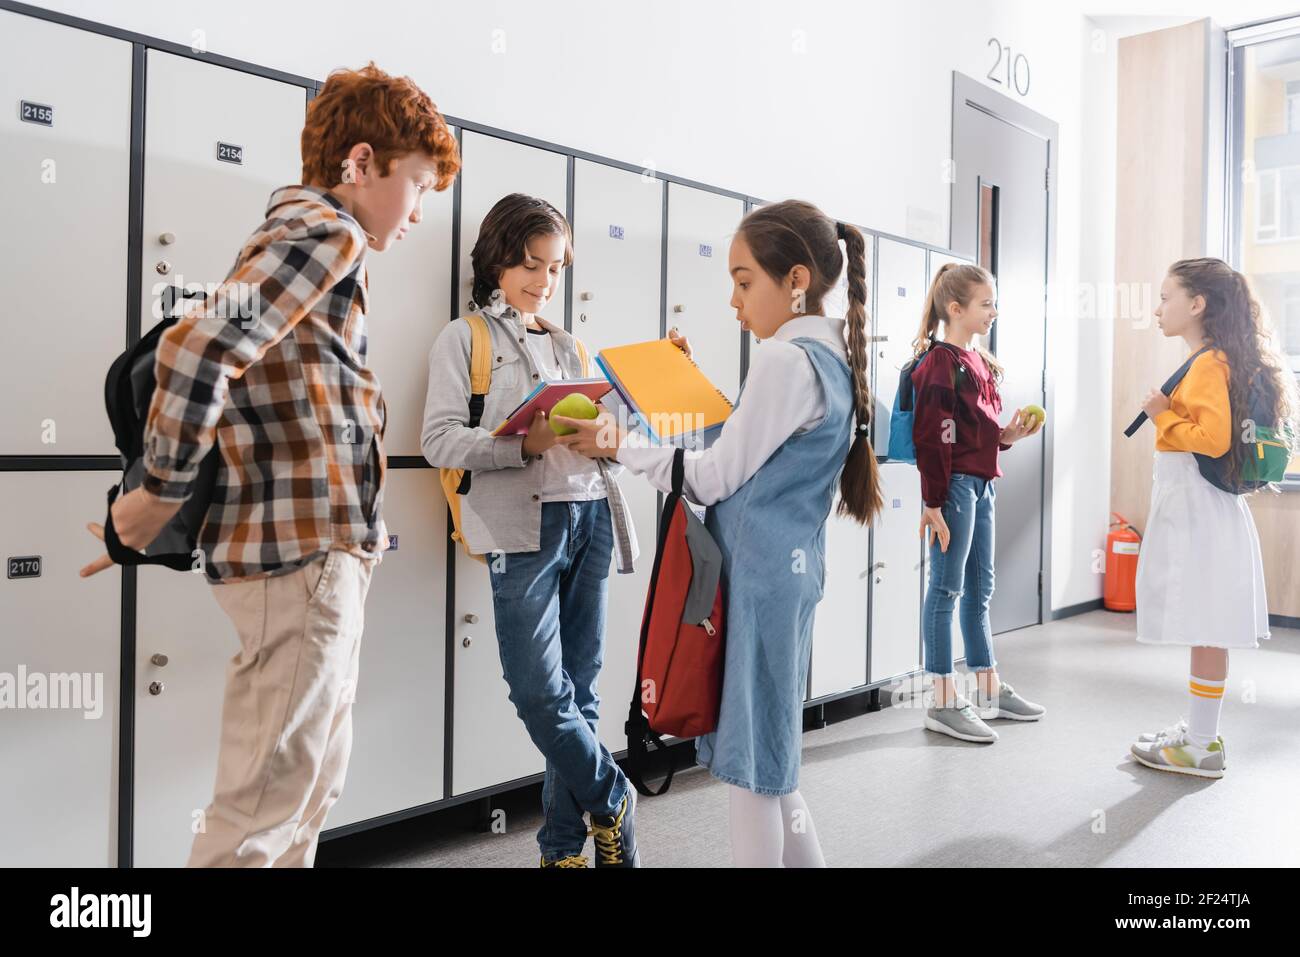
x=286, y=721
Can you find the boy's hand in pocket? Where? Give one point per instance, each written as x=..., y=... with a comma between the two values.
x=539, y=437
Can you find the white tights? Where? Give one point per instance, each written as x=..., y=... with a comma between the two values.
x=772, y=831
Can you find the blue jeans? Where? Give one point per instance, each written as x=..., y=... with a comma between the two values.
x=964, y=571
x=550, y=620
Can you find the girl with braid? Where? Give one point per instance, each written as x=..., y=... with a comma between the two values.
x=798, y=433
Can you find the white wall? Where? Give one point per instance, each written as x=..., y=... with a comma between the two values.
x=846, y=105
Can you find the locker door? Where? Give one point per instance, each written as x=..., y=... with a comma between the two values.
x=896, y=578
x=397, y=720
x=61, y=642
x=700, y=228
x=839, y=651
x=198, y=209
x=900, y=296
x=64, y=192
x=618, y=234
x=183, y=644
x=410, y=295
x=494, y=168
x=490, y=745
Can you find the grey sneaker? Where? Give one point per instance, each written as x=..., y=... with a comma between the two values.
x=1175, y=730
x=1008, y=705
x=960, y=721
x=1178, y=754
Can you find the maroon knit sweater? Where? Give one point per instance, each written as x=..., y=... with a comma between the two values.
x=971, y=443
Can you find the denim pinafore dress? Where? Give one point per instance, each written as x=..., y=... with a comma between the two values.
x=772, y=534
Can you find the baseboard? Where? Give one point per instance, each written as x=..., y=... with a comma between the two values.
x=1071, y=610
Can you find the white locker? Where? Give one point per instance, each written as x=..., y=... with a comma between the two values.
x=410, y=303
x=700, y=228
x=839, y=651
x=493, y=169
x=489, y=743
x=63, y=193
x=901, y=287
x=198, y=209
x=896, y=575
x=183, y=644
x=61, y=642
x=398, y=717
x=618, y=235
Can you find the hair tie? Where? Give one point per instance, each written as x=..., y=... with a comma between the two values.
x=839, y=229
x=862, y=428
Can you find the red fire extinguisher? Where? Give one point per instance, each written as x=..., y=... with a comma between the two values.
x=1122, y=546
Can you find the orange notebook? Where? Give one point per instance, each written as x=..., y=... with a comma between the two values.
x=669, y=395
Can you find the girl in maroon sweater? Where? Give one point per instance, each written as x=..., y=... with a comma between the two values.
x=958, y=437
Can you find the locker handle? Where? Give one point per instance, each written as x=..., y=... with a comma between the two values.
x=587, y=296
x=160, y=660
x=471, y=619
x=879, y=338
x=679, y=308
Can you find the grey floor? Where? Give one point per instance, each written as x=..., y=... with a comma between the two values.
x=883, y=791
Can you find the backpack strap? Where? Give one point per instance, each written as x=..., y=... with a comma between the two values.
x=480, y=378
x=1168, y=389
x=639, y=733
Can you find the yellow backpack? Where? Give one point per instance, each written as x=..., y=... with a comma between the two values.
x=456, y=482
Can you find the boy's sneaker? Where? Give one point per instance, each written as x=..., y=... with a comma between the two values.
x=960, y=721
x=573, y=860
x=1008, y=704
x=1177, y=753
x=615, y=835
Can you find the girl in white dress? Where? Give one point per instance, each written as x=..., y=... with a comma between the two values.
x=1200, y=578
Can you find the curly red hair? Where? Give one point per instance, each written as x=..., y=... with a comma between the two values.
x=390, y=113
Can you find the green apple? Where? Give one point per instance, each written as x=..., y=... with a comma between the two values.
x=575, y=405
x=1035, y=410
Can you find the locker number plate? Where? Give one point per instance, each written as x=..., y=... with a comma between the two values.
x=25, y=566
x=615, y=232
x=36, y=113
x=230, y=153
x=392, y=543
x=706, y=249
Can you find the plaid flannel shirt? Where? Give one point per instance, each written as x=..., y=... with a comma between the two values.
x=272, y=367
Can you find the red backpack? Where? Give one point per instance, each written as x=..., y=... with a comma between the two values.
x=679, y=669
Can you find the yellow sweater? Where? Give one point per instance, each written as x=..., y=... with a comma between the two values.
x=1199, y=417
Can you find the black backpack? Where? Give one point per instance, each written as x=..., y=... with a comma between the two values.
x=1272, y=453
x=128, y=392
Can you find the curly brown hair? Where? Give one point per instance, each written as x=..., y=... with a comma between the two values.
x=1233, y=324
x=390, y=113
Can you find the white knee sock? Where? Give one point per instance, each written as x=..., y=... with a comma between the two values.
x=755, y=828
x=1206, y=695
x=801, y=848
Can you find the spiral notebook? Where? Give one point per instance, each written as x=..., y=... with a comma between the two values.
x=671, y=399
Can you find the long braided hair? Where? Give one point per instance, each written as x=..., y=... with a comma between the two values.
x=792, y=233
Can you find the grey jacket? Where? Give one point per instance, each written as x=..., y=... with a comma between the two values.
x=503, y=510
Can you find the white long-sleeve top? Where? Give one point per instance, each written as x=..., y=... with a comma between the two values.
x=782, y=397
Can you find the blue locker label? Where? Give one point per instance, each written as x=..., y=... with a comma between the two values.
x=902, y=292
x=392, y=543
x=36, y=113
x=706, y=249
x=898, y=503
x=615, y=232
x=24, y=566
x=230, y=153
